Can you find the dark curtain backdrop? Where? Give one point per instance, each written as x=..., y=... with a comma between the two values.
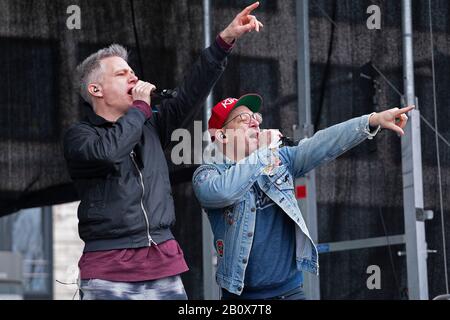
x=359, y=194
x=362, y=190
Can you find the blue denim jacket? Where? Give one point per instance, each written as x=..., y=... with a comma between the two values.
x=224, y=191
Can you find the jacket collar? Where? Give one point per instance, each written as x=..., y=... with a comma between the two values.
x=94, y=118
x=214, y=155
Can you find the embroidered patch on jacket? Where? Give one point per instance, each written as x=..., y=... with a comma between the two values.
x=219, y=247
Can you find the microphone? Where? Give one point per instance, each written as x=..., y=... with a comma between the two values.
x=282, y=141
x=164, y=94
x=158, y=95
x=288, y=142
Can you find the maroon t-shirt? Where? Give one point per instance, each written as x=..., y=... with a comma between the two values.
x=129, y=265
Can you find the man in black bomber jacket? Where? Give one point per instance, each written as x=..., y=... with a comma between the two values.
x=115, y=158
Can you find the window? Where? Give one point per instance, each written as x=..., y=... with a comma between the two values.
x=29, y=232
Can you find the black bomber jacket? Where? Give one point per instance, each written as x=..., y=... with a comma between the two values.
x=120, y=171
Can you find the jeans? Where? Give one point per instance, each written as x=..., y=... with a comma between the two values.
x=294, y=294
x=170, y=288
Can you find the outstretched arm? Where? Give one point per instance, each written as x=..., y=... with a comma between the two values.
x=180, y=111
x=327, y=144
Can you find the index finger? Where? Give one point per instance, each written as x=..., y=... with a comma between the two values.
x=404, y=110
x=249, y=9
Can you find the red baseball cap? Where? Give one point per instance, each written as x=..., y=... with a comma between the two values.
x=221, y=110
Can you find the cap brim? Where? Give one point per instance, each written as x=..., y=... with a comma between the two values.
x=252, y=101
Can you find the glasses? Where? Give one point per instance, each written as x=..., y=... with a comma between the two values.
x=246, y=117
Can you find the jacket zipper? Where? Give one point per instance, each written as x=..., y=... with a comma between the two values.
x=150, y=240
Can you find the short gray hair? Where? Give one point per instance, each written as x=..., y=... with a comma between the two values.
x=87, y=71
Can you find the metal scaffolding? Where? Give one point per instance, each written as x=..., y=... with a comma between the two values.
x=416, y=247
x=414, y=215
x=304, y=129
x=210, y=287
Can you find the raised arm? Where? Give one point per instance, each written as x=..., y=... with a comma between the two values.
x=180, y=111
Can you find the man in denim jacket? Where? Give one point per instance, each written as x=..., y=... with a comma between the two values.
x=246, y=187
